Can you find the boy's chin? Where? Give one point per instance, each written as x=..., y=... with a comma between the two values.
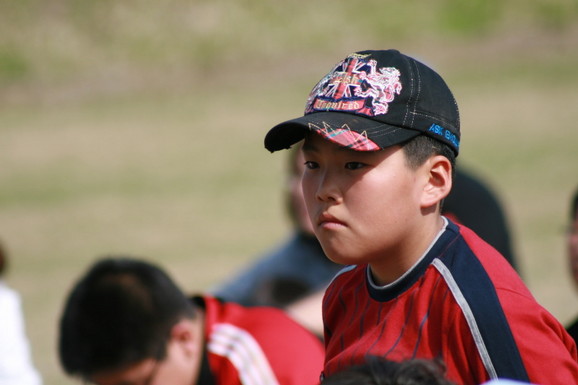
x=342, y=259
x=342, y=254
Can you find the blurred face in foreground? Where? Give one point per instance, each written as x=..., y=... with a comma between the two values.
x=179, y=367
x=368, y=206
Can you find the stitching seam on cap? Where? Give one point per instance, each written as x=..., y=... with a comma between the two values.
x=418, y=78
x=406, y=112
x=434, y=117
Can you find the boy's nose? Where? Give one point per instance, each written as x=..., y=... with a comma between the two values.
x=327, y=190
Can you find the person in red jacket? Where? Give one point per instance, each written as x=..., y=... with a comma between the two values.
x=380, y=134
x=126, y=322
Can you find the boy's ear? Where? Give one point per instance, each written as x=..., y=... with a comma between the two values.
x=439, y=180
x=186, y=335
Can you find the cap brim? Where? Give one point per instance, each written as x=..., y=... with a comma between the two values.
x=369, y=135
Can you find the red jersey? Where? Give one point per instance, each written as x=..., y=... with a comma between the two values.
x=462, y=302
x=257, y=346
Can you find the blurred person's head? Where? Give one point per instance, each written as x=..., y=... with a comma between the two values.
x=294, y=193
x=572, y=238
x=125, y=321
x=380, y=371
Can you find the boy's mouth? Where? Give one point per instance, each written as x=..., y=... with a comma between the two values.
x=328, y=220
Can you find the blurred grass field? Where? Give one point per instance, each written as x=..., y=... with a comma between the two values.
x=137, y=128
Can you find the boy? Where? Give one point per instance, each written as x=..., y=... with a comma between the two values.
x=126, y=322
x=381, y=133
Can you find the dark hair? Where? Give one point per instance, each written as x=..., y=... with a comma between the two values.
x=119, y=313
x=420, y=148
x=380, y=371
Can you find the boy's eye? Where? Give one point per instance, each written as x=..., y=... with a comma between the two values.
x=311, y=165
x=354, y=165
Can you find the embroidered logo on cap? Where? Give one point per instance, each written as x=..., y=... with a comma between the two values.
x=356, y=85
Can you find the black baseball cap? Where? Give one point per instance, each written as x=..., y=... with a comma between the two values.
x=372, y=100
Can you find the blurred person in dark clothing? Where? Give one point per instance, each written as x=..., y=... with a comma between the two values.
x=572, y=247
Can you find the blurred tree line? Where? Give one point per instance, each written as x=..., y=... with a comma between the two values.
x=50, y=42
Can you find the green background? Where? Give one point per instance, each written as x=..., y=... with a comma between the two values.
x=137, y=127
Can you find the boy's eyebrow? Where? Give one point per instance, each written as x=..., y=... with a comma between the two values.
x=308, y=147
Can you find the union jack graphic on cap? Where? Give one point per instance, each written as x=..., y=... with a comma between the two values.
x=356, y=85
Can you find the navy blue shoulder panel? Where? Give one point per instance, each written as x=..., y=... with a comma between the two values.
x=469, y=280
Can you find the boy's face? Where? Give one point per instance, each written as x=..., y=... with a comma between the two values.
x=363, y=205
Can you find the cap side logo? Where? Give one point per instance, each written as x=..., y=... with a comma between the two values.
x=356, y=85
